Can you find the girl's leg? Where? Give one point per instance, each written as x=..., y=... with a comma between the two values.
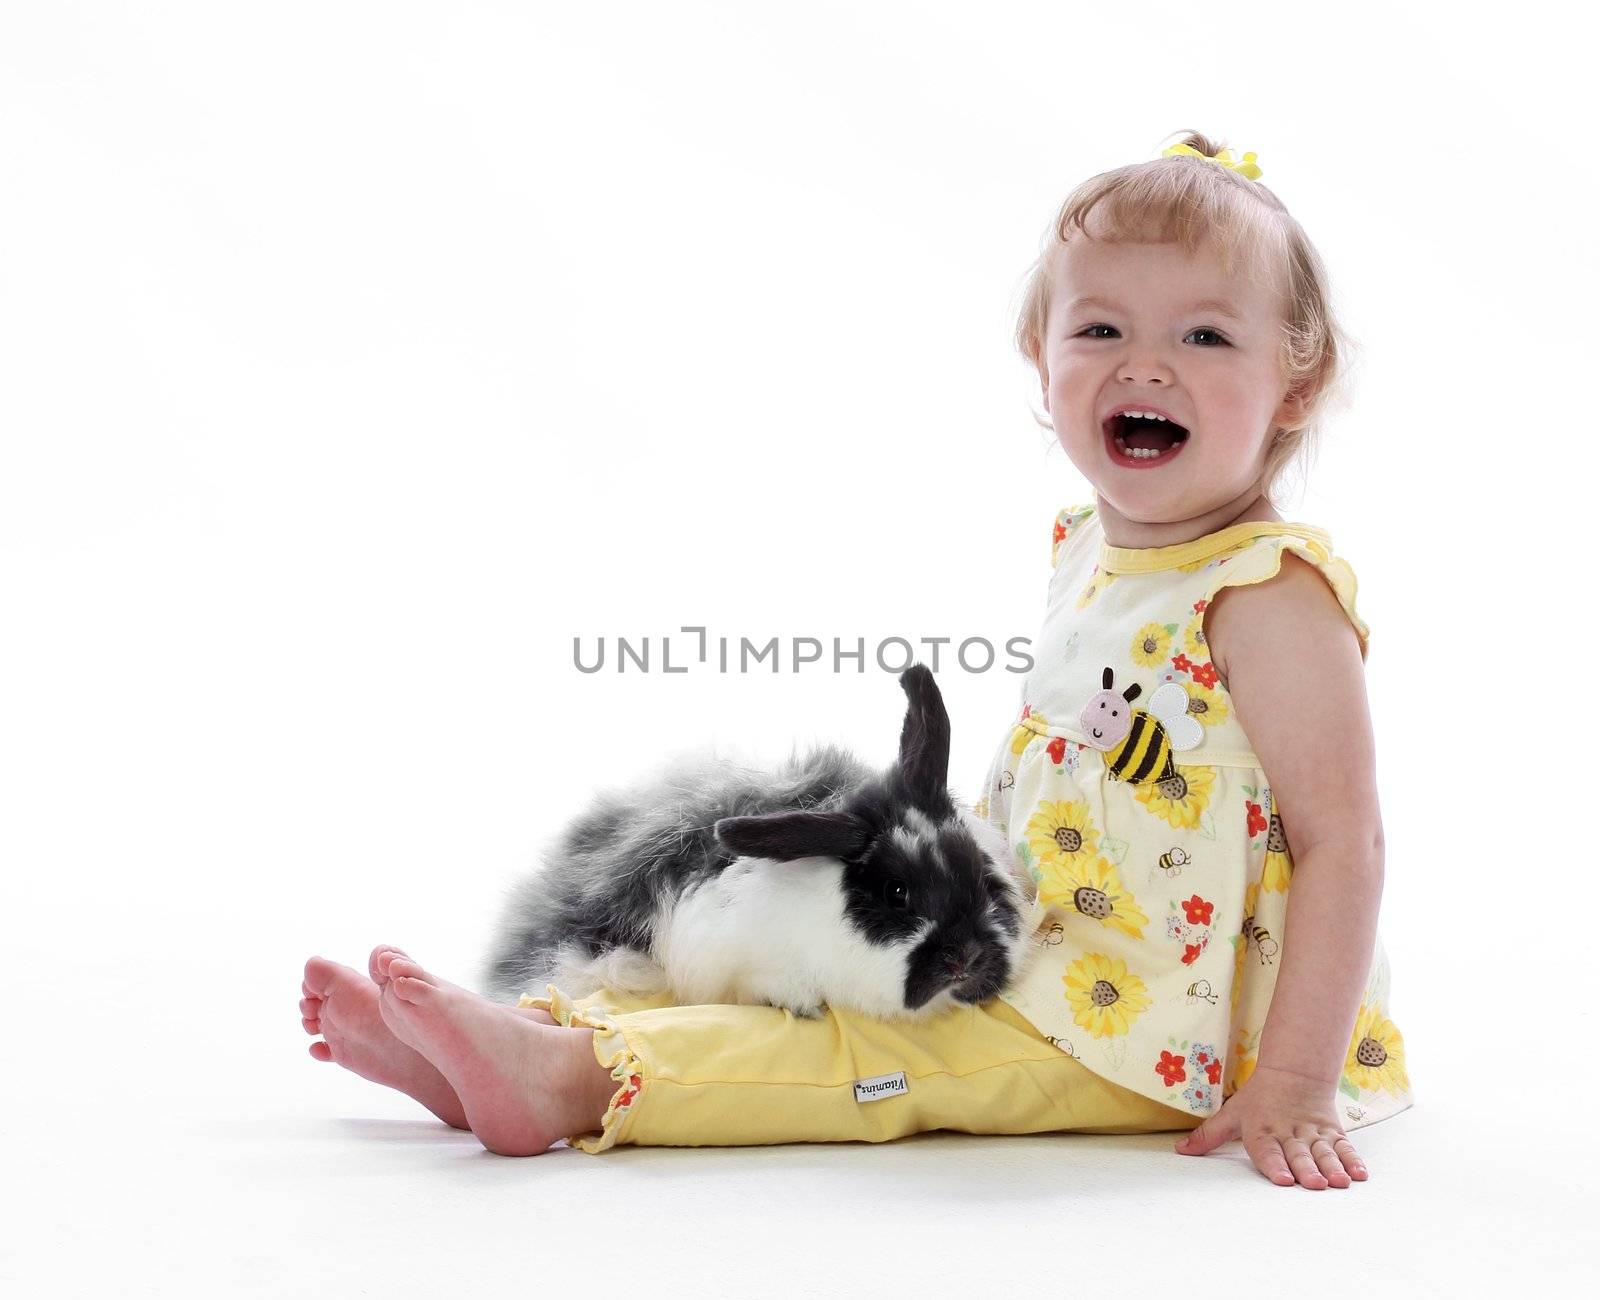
x=742, y=1075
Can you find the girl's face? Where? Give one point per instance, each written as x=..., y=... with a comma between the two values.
x=1171, y=332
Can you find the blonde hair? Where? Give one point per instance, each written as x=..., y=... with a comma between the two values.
x=1187, y=200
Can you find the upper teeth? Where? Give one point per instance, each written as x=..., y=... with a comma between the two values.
x=1149, y=415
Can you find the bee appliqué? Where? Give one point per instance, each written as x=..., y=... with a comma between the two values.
x=1139, y=743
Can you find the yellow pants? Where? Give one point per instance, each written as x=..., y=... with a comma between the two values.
x=752, y=1075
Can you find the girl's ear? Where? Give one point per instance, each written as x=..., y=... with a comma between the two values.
x=1291, y=412
x=786, y=836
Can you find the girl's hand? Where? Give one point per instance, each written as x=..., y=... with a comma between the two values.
x=1290, y=1127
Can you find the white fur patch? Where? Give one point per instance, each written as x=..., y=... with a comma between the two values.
x=624, y=970
x=776, y=932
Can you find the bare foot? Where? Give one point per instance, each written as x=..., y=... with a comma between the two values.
x=342, y=1005
x=523, y=1085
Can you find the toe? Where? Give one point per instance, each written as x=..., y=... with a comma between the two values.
x=409, y=989
x=378, y=963
x=319, y=977
x=321, y=1051
x=310, y=1008
x=311, y=1026
x=403, y=966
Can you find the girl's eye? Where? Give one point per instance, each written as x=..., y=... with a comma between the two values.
x=896, y=894
x=1204, y=329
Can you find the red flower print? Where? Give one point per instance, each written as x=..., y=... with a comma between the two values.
x=1170, y=1068
x=1060, y=532
x=1182, y=664
x=1027, y=709
x=1258, y=823
x=1200, y=606
x=1205, y=674
x=1056, y=748
x=1197, y=910
x=1191, y=951
x=1214, y=1071
x=626, y=1098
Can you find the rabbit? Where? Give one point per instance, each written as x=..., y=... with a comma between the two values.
x=820, y=883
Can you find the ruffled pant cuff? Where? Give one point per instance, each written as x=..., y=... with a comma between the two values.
x=611, y=1049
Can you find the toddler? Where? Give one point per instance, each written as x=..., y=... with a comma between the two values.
x=1192, y=740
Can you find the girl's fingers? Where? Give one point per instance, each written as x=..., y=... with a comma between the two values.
x=1267, y=1156
x=1348, y=1157
x=1305, y=1168
x=1328, y=1161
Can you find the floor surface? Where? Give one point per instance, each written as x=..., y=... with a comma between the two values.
x=171, y=1136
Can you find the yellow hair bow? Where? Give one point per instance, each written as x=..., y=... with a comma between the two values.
x=1246, y=166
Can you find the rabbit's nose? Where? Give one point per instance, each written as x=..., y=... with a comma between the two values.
x=959, y=962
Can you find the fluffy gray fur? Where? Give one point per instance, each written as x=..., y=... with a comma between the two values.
x=584, y=920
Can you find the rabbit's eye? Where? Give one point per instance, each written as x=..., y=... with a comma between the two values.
x=896, y=894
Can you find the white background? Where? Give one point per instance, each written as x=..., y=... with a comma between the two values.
x=354, y=358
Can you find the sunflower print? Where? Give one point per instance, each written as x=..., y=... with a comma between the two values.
x=1023, y=734
x=1096, y=585
x=1207, y=705
x=1244, y=1055
x=1194, y=636
x=1182, y=798
x=1377, y=1057
x=1063, y=836
x=1150, y=645
x=1105, y=996
x=980, y=810
x=1275, y=872
x=1092, y=886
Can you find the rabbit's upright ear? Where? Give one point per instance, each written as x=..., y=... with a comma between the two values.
x=788, y=835
x=922, y=769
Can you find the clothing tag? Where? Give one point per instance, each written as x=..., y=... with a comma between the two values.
x=880, y=1086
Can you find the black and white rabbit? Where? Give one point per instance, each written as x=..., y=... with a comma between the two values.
x=820, y=882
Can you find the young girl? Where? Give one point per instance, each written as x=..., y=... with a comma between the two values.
x=1193, y=738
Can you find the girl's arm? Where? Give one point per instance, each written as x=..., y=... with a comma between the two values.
x=1292, y=666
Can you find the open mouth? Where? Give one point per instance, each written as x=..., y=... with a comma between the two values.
x=1138, y=442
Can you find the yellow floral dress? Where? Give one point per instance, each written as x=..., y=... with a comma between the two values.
x=1161, y=863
